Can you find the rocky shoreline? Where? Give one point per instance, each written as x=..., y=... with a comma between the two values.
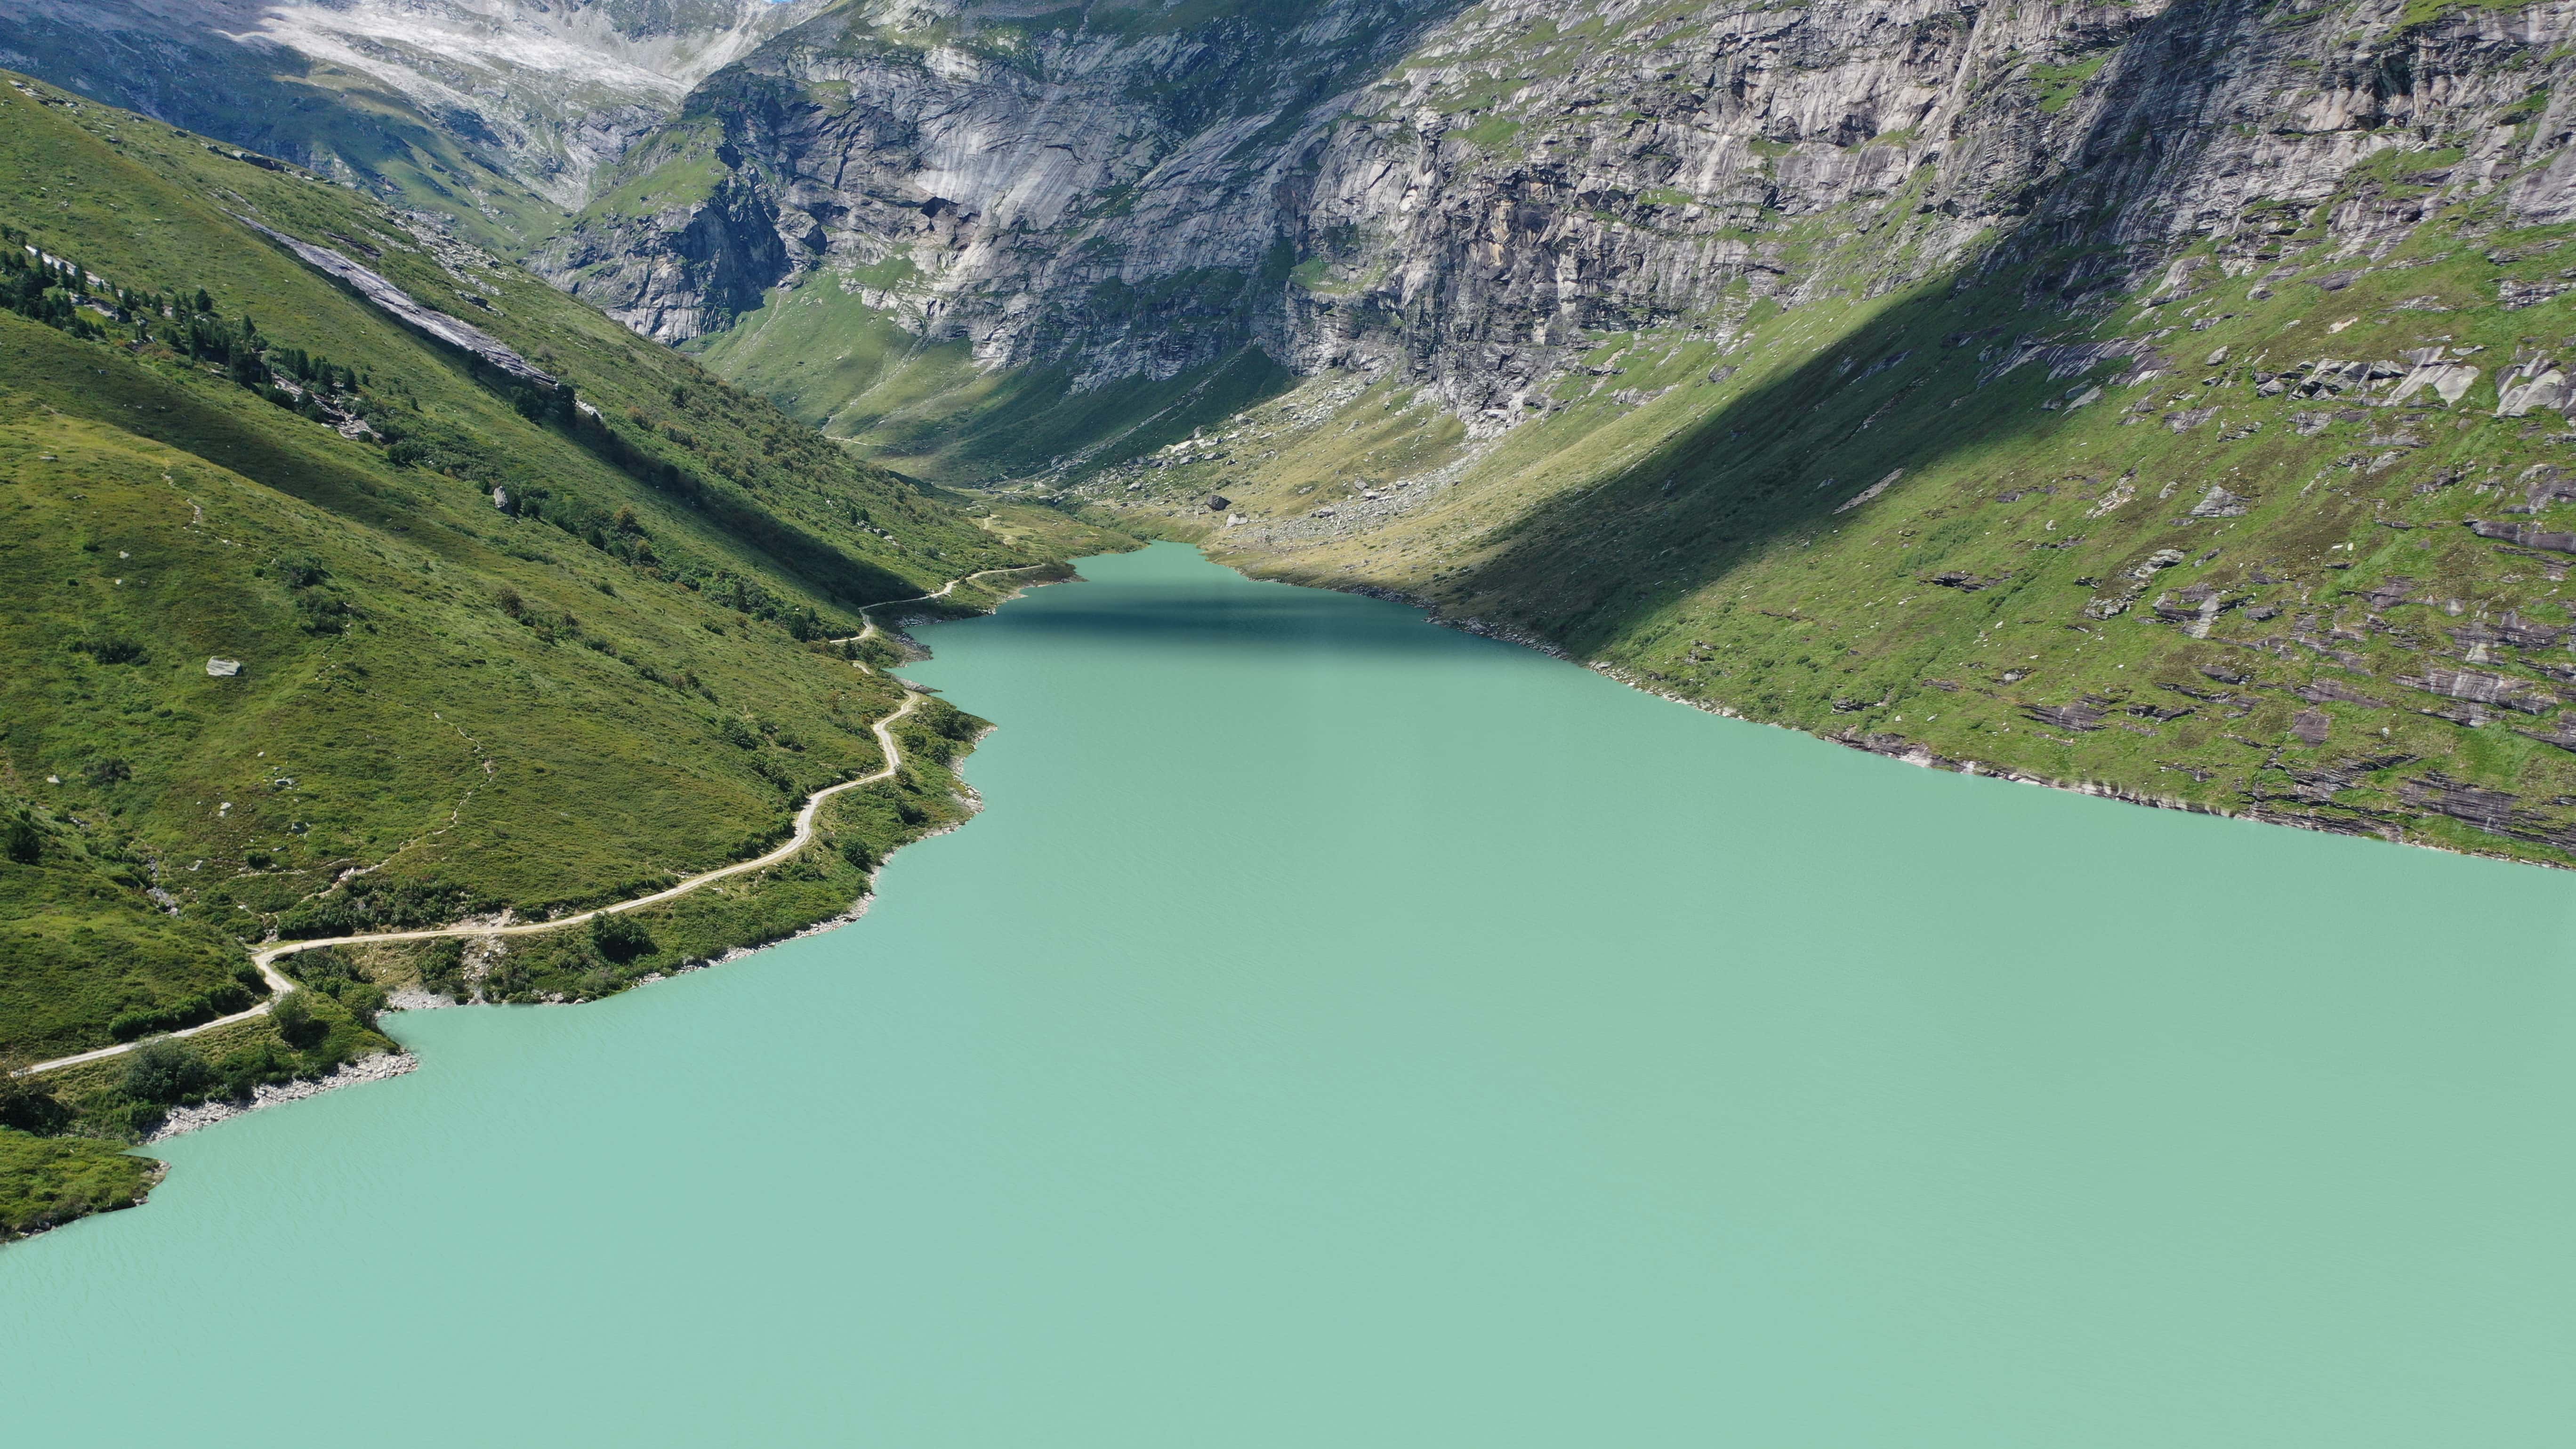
x=1914, y=752
x=384, y=1066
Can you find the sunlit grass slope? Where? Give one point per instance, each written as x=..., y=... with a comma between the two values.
x=2202, y=543
x=822, y=353
x=495, y=650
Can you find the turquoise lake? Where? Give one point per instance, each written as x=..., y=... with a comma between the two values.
x=1338, y=1030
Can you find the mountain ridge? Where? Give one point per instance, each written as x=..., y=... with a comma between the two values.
x=493, y=114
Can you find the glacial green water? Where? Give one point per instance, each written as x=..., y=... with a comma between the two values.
x=1341, y=1031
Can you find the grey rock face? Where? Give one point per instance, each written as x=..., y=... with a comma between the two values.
x=2530, y=386
x=1093, y=196
x=556, y=89
x=463, y=336
x=1456, y=196
x=541, y=91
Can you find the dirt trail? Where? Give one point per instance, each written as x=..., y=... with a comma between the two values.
x=279, y=984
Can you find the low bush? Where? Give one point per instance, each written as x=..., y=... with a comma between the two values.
x=259, y=1064
x=112, y=651
x=374, y=903
x=331, y=972
x=620, y=938
x=293, y=1016
x=442, y=969
x=205, y=1006
x=29, y=1103
x=166, y=1073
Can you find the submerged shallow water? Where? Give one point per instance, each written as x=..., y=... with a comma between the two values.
x=1339, y=1030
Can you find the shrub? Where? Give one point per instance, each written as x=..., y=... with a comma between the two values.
x=186, y=1011
x=856, y=852
x=29, y=1104
x=620, y=938
x=362, y=998
x=109, y=771
x=243, y=1068
x=301, y=571
x=374, y=901
x=323, y=614
x=295, y=1020
x=23, y=842
x=443, y=969
x=112, y=650
x=330, y=972
x=323, y=963
x=166, y=1072
x=506, y=978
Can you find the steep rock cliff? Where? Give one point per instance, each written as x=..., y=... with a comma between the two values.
x=1463, y=196
x=1106, y=191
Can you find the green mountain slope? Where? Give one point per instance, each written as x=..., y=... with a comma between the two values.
x=500, y=644
x=2284, y=532
x=925, y=407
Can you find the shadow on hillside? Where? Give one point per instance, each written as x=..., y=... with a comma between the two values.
x=1586, y=565
x=1899, y=391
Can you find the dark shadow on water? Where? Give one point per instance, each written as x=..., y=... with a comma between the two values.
x=1230, y=618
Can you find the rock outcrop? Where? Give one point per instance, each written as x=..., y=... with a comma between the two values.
x=1119, y=197
x=487, y=110
x=1457, y=196
x=394, y=301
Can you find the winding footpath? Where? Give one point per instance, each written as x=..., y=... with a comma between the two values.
x=280, y=984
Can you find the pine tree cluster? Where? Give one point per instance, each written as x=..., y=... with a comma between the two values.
x=56, y=291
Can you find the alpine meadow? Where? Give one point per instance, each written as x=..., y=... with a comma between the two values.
x=470, y=471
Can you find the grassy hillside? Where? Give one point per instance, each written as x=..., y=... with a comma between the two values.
x=500, y=645
x=46, y=1181
x=820, y=352
x=2268, y=538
